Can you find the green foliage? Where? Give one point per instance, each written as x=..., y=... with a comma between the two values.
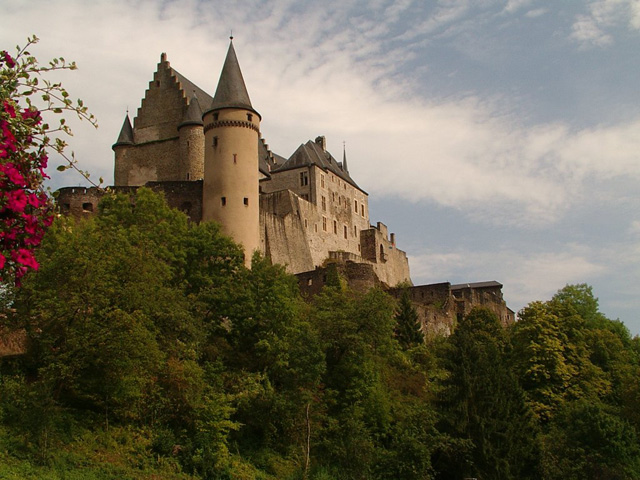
x=154, y=353
x=484, y=411
x=408, y=329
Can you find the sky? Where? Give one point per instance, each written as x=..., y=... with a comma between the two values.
x=499, y=139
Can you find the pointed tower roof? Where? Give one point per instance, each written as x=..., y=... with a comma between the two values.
x=231, y=91
x=193, y=115
x=126, y=133
x=344, y=157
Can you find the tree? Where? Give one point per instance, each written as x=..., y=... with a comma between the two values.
x=25, y=143
x=483, y=407
x=408, y=329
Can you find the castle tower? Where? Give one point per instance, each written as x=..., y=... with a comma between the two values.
x=192, y=142
x=232, y=131
x=121, y=148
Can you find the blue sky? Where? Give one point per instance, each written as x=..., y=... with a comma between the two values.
x=499, y=139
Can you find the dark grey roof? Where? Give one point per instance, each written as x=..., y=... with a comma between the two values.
x=267, y=160
x=311, y=153
x=231, y=91
x=126, y=133
x=193, y=115
x=190, y=89
x=488, y=284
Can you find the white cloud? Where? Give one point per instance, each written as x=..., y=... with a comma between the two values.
x=590, y=30
x=459, y=152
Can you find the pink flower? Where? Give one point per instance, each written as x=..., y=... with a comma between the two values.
x=16, y=200
x=25, y=257
x=8, y=59
x=3, y=260
x=9, y=108
x=13, y=174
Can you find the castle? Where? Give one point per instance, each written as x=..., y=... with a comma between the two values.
x=207, y=155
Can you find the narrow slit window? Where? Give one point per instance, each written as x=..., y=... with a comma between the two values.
x=223, y=201
x=235, y=158
x=246, y=201
x=215, y=141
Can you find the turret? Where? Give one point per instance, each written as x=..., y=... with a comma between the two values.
x=121, y=148
x=192, y=142
x=232, y=132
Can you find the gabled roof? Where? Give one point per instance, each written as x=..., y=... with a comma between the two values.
x=311, y=153
x=231, y=91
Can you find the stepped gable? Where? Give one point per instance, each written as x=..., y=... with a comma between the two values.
x=267, y=160
x=231, y=91
x=190, y=89
x=313, y=153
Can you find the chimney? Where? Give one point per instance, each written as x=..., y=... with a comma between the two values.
x=322, y=142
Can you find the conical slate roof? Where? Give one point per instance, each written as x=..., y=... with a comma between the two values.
x=231, y=91
x=126, y=133
x=193, y=115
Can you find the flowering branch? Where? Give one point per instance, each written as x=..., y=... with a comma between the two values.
x=25, y=140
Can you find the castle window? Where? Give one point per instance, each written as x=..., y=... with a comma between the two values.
x=188, y=175
x=362, y=209
x=324, y=204
x=335, y=227
x=304, y=179
x=215, y=117
x=223, y=200
x=356, y=206
x=215, y=141
x=249, y=117
x=333, y=197
x=87, y=207
x=310, y=282
x=345, y=231
x=306, y=223
x=322, y=181
x=355, y=231
x=315, y=227
x=246, y=201
x=324, y=223
x=235, y=158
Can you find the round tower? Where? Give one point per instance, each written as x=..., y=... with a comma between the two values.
x=191, y=142
x=232, y=131
x=121, y=148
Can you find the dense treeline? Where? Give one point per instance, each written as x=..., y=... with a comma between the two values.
x=154, y=353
